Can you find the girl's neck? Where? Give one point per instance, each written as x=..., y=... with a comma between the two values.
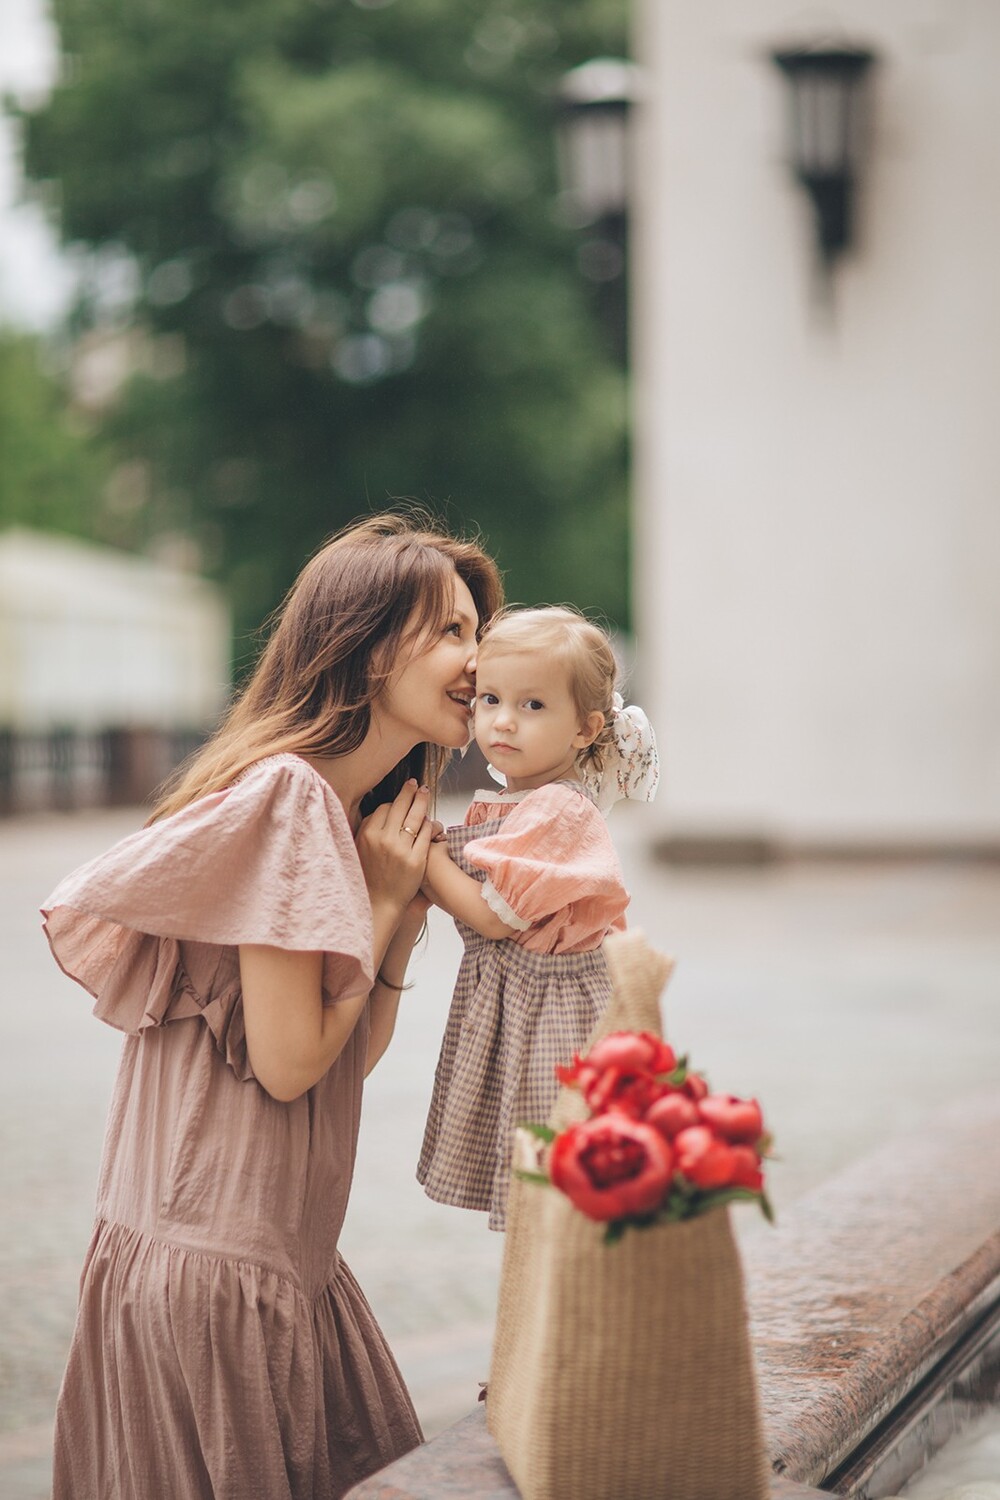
x=569, y=772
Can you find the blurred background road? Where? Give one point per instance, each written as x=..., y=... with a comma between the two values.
x=852, y=999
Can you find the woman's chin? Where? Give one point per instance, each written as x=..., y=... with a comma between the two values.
x=454, y=739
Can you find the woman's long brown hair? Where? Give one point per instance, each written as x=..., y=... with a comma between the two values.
x=334, y=643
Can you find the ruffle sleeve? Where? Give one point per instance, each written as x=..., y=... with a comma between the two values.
x=269, y=860
x=553, y=858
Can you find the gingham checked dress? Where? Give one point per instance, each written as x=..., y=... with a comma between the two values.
x=521, y=1004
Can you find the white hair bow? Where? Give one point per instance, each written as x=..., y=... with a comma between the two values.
x=631, y=764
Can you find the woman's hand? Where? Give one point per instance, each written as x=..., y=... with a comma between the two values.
x=392, y=843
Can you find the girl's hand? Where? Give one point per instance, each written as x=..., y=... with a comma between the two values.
x=392, y=846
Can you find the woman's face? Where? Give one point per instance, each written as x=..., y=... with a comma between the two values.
x=429, y=694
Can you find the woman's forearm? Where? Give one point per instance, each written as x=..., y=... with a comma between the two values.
x=292, y=1036
x=390, y=978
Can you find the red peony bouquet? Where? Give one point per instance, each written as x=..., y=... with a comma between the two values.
x=658, y=1147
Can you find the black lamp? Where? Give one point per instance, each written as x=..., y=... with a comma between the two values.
x=593, y=105
x=594, y=101
x=828, y=126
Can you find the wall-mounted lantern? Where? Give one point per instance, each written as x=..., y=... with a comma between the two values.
x=593, y=105
x=829, y=117
x=594, y=101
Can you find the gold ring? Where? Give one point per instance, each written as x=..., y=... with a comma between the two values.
x=406, y=829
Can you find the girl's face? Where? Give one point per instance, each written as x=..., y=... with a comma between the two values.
x=527, y=723
x=428, y=698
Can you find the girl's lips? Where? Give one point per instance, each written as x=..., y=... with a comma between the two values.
x=499, y=745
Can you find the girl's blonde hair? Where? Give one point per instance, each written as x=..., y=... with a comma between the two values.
x=333, y=646
x=583, y=648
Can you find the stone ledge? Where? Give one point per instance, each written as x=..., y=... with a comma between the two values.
x=864, y=1285
x=868, y=1280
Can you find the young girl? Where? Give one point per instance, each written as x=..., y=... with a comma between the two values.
x=534, y=883
x=252, y=942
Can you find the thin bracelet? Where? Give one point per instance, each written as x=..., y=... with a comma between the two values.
x=388, y=984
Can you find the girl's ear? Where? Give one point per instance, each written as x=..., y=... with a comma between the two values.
x=589, y=730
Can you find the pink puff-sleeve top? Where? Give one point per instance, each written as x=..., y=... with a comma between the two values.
x=268, y=860
x=552, y=872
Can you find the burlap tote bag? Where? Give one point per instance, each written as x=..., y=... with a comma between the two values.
x=623, y=1372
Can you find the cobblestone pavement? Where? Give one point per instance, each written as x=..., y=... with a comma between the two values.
x=851, y=999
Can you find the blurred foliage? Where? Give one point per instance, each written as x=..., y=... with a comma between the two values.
x=52, y=470
x=339, y=219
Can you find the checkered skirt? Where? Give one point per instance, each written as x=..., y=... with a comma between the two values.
x=514, y=1015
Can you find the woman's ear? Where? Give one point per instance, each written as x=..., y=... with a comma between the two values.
x=589, y=730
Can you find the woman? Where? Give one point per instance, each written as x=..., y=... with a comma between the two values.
x=252, y=942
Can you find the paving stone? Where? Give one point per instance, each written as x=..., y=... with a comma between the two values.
x=851, y=1000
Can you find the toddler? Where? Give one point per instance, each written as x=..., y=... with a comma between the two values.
x=534, y=883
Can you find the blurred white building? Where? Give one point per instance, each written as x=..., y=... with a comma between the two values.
x=90, y=637
x=817, y=556
x=110, y=667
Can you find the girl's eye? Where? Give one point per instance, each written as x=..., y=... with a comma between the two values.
x=490, y=699
x=534, y=704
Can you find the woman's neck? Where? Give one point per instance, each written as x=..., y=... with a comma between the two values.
x=352, y=776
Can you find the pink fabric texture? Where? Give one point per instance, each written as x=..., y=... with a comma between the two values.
x=222, y=1349
x=553, y=863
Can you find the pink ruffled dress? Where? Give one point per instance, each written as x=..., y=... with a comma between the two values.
x=223, y=1350
x=521, y=1004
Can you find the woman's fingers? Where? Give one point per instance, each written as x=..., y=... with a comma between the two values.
x=410, y=808
x=393, y=847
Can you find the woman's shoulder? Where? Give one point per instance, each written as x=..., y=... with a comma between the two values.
x=284, y=767
x=288, y=785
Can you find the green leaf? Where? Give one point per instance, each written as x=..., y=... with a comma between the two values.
x=542, y=1132
x=532, y=1176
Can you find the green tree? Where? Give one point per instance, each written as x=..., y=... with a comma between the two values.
x=52, y=470
x=343, y=213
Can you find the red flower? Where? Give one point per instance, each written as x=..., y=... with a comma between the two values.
x=703, y=1159
x=695, y=1087
x=612, y=1166
x=746, y=1169
x=613, y=1088
x=738, y=1120
x=671, y=1113
x=632, y=1052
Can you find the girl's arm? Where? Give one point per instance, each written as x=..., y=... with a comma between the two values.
x=460, y=895
x=292, y=1037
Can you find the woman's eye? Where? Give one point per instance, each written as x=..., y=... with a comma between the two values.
x=455, y=628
